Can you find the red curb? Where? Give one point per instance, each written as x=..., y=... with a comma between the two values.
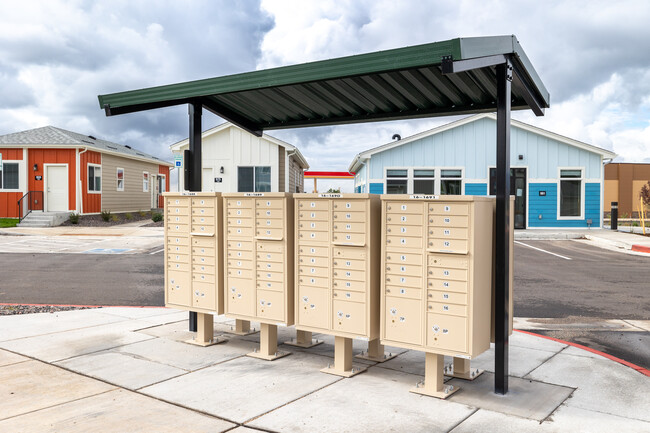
x=641, y=249
x=640, y=369
x=80, y=306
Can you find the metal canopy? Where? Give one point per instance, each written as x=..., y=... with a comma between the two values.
x=457, y=76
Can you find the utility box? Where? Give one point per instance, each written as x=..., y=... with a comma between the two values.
x=193, y=252
x=258, y=240
x=437, y=274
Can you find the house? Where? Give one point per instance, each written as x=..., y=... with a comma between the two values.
x=557, y=181
x=64, y=171
x=234, y=160
x=623, y=182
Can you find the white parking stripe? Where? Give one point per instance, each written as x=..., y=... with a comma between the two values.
x=544, y=251
x=159, y=251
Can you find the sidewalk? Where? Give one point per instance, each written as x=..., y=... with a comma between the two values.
x=117, y=369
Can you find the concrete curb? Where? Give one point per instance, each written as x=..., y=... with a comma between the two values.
x=641, y=249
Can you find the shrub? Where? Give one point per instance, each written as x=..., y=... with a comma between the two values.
x=142, y=213
x=106, y=215
x=128, y=216
x=156, y=217
x=114, y=218
x=74, y=218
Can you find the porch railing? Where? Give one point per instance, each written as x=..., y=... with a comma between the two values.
x=33, y=200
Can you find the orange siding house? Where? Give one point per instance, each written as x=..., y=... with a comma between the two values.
x=56, y=170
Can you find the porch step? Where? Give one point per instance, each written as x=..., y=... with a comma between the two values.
x=44, y=219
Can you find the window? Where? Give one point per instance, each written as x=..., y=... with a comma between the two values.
x=424, y=181
x=9, y=175
x=145, y=181
x=451, y=182
x=254, y=179
x=120, y=179
x=493, y=180
x=161, y=183
x=94, y=178
x=397, y=181
x=570, y=195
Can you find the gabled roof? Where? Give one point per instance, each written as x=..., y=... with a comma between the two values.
x=354, y=165
x=226, y=125
x=49, y=136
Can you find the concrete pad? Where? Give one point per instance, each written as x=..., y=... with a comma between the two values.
x=29, y=325
x=137, y=312
x=244, y=430
x=641, y=324
x=62, y=345
x=177, y=331
x=603, y=385
x=521, y=360
x=525, y=398
x=575, y=351
x=185, y=356
x=378, y=400
x=32, y=385
x=245, y=387
x=8, y=358
x=534, y=342
x=115, y=412
x=565, y=419
x=121, y=369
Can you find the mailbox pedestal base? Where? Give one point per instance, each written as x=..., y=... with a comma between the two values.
x=268, y=344
x=243, y=327
x=205, y=331
x=434, y=385
x=375, y=352
x=461, y=369
x=303, y=339
x=343, y=359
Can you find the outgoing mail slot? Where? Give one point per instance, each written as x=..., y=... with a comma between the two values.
x=403, y=280
x=270, y=305
x=314, y=261
x=276, y=286
x=447, y=273
x=240, y=245
x=349, y=295
x=240, y=232
x=240, y=213
x=203, y=220
x=448, y=221
x=358, y=286
x=269, y=222
x=270, y=276
x=448, y=261
x=444, y=208
x=342, y=216
x=176, y=228
x=343, y=264
x=240, y=297
x=178, y=219
x=178, y=288
x=308, y=280
x=240, y=255
x=349, y=317
x=269, y=203
x=270, y=257
x=306, y=236
x=399, y=269
x=404, y=219
x=358, y=239
x=201, y=241
x=403, y=320
x=234, y=222
x=313, y=271
x=313, y=205
x=447, y=297
x=202, y=211
x=239, y=203
x=447, y=308
x=321, y=226
x=403, y=242
x=349, y=227
x=349, y=206
x=313, y=307
x=203, y=277
x=447, y=233
x=448, y=245
x=446, y=332
x=447, y=285
x=270, y=266
x=404, y=258
x=314, y=215
x=404, y=230
x=240, y=264
x=396, y=208
x=269, y=233
x=351, y=274
x=271, y=247
x=349, y=253
x=404, y=292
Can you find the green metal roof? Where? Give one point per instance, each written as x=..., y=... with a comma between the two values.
x=394, y=84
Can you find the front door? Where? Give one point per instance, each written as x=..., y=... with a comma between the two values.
x=207, y=182
x=518, y=189
x=56, y=189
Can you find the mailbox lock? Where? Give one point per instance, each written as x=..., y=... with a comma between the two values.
x=388, y=268
x=430, y=272
x=388, y=218
x=335, y=263
x=388, y=230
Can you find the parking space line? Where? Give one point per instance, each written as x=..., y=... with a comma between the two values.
x=156, y=252
x=544, y=251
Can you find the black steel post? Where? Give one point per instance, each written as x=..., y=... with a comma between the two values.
x=614, y=216
x=502, y=224
x=194, y=168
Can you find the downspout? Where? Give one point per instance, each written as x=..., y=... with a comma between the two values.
x=287, y=179
x=80, y=201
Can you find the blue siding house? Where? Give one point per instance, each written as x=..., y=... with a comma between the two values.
x=557, y=181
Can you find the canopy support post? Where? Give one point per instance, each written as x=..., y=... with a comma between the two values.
x=195, y=112
x=502, y=232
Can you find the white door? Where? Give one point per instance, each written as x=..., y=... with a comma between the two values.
x=207, y=182
x=57, y=188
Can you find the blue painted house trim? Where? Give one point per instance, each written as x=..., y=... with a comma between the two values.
x=476, y=189
x=376, y=188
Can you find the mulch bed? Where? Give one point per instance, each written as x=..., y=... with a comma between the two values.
x=8, y=310
x=115, y=219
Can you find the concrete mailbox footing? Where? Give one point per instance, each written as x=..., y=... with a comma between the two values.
x=268, y=344
x=304, y=339
x=243, y=327
x=375, y=352
x=343, y=359
x=205, y=331
x=434, y=385
x=461, y=369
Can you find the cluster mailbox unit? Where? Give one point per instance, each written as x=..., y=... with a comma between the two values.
x=258, y=243
x=337, y=273
x=437, y=280
x=193, y=252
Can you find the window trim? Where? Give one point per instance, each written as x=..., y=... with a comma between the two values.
x=117, y=179
x=410, y=172
x=101, y=185
x=19, y=163
x=582, y=193
x=461, y=178
x=148, y=181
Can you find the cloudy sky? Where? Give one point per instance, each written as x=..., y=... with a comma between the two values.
x=57, y=56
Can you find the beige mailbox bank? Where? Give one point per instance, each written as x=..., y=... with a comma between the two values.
x=437, y=279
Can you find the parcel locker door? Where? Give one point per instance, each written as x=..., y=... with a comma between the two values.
x=403, y=320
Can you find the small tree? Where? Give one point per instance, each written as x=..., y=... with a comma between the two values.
x=645, y=194
x=334, y=191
